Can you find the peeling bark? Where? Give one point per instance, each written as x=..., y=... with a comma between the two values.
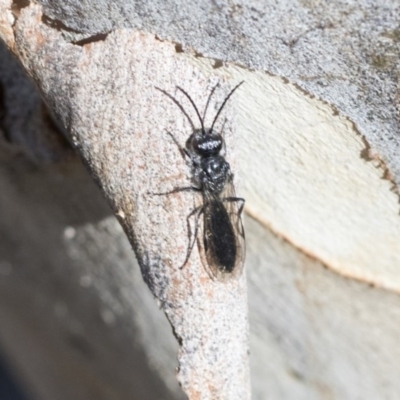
x=313, y=144
x=104, y=93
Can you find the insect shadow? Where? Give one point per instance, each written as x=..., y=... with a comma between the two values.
x=223, y=234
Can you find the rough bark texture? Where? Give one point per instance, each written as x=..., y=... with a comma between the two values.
x=316, y=146
x=118, y=121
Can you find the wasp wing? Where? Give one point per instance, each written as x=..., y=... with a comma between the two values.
x=223, y=233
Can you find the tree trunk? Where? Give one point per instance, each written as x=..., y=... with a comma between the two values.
x=311, y=138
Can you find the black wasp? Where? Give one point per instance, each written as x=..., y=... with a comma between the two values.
x=223, y=234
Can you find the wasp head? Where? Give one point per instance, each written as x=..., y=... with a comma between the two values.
x=207, y=145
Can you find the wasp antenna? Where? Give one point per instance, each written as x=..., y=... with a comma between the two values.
x=194, y=106
x=178, y=104
x=223, y=105
x=208, y=100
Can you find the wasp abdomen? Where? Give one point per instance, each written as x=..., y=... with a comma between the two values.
x=220, y=238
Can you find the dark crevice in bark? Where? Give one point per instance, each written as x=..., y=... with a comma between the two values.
x=218, y=64
x=17, y=6
x=178, y=48
x=91, y=39
x=61, y=27
x=57, y=24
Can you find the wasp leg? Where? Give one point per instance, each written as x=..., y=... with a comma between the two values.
x=182, y=150
x=200, y=211
x=176, y=190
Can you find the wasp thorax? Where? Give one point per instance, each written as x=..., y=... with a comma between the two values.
x=215, y=173
x=207, y=145
x=215, y=166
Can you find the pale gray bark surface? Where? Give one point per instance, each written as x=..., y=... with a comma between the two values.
x=344, y=52
x=72, y=298
x=316, y=153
